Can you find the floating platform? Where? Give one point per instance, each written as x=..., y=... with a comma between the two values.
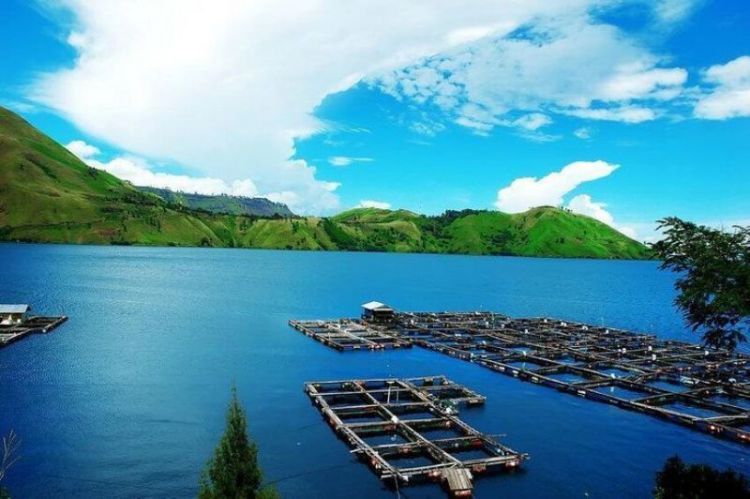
x=348, y=335
x=408, y=430
x=31, y=325
x=704, y=389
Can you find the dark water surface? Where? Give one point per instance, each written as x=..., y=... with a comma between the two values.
x=127, y=399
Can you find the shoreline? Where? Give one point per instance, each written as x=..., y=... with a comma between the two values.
x=322, y=250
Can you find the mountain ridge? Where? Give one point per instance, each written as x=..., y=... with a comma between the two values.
x=222, y=203
x=48, y=195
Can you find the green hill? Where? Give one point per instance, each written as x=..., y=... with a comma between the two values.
x=48, y=195
x=222, y=203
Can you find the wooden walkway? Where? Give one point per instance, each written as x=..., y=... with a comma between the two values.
x=32, y=325
x=704, y=389
x=407, y=430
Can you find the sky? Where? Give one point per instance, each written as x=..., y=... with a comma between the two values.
x=624, y=110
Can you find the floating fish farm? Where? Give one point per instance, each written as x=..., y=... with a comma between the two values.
x=407, y=430
x=703, y=389
x=348, y=334
x=31, y=325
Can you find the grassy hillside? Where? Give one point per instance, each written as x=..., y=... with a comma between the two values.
x=49, y=195
x=543, y=231
x=232, y=205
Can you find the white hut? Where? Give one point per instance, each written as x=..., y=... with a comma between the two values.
x=375, y=311
x=11, y=315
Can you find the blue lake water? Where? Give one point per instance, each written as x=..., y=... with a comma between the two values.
x=127, y=398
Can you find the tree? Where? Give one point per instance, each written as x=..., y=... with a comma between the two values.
x=233, y=471
x=8, y=458
x=677, y=480
x=714, y=282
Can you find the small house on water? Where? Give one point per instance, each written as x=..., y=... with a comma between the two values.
x=12, y=315
x=375, y=311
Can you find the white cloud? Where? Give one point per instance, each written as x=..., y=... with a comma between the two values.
x=584, y=205
x=370, y=203
x=466, y=35
x=625, y=114
x=428, y=128
x=138, y=172
x=638, y=80
x=528, y=192
x=583, y=133
x=347, y=160
x=532, y=121
x=226, y=87
x=730, y=95
x=82, y=149
x=569, y=64
x=673, y=11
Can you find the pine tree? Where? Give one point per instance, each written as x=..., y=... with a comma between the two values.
x=233, y=471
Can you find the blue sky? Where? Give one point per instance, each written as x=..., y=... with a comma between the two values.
x=627, y=111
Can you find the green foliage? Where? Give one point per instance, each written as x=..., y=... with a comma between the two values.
x=233, y=472
x=342, y=239
x=714, y=282
x=224, y=204
x=698, y=481
x=49, y=195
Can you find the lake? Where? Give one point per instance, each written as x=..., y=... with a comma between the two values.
x=128, y=397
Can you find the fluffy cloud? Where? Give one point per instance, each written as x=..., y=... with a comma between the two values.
x=226, y=87
x=730, y=93
x=584, y=205
x=370, y=203
x=347, y=160
x=569, y=64
x=528, y=192
x=82, y=149
x=639, y=80
x=138, y=172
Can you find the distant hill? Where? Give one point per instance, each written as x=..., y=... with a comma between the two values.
x=48, y=195
x=543, y=231
x=233, y=205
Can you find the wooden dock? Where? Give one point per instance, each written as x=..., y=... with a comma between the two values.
x=348, y=335
x=704, y=389
x=31, y=325
x=407, y=430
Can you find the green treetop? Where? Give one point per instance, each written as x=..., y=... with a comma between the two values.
x=233, y=471
x=714, y=278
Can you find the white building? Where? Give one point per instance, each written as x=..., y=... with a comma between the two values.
x=375, y=311
x=11, y=315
